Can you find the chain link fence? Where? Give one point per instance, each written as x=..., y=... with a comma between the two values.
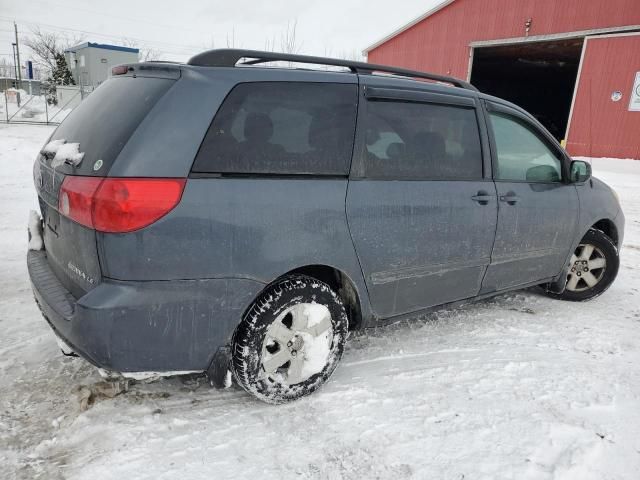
x=20, y=106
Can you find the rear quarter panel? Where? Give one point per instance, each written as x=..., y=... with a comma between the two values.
x=253, y=228
x=166, y=142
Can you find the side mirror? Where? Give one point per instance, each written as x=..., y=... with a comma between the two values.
x=580, y=171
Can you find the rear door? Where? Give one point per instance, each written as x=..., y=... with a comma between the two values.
x=420, y=205
x=100, y=126
x=537, y=209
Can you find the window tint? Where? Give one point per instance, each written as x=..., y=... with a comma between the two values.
x=282, y=127
x=104, y=121
x=419, y=140
x=522, y=155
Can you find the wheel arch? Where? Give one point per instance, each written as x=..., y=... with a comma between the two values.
x=606, y=226
x=609, y=228
x=341, y=283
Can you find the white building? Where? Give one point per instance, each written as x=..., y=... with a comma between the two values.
x=91, y=63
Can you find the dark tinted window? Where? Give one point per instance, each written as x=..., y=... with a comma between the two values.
x=420, y=140
x=522, y=154
x=104, y=121
x=282, y=127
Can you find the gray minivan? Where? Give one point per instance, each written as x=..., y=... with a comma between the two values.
x=227, y=217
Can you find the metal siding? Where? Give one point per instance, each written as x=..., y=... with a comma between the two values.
x=599, y=126
x=440, y=43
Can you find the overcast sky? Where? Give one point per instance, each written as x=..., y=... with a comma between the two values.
x=181, y=29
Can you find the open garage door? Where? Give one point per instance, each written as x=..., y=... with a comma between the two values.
x=538, y=76
x=605, y=121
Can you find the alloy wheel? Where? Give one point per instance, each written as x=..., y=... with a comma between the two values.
x=297, y=344
x=586, y=269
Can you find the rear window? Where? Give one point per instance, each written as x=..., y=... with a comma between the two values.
x=282, y=128
x=105, y=120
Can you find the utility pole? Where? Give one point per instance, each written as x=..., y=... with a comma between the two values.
x=15, y=26
x=15, y=63
x=15, y=68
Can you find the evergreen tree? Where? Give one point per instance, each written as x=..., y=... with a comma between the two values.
x=61, y=75
x=49, y=87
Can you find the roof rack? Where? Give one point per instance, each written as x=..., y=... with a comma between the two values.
x=229, y=57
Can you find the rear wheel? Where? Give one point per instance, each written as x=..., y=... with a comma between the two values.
x=290, y=341
x=592, y=269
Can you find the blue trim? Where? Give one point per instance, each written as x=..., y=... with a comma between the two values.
x=103, y=46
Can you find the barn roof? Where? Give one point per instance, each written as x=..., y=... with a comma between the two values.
x=407, y=26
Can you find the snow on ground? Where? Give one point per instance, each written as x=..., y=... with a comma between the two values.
x=519, y=386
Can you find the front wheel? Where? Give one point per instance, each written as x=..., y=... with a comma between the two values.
x=290, y=341
x=592, y=269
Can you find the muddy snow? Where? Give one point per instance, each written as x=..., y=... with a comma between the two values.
x=519, y=386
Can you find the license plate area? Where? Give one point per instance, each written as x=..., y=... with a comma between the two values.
x=48, y=182
x=51, y=222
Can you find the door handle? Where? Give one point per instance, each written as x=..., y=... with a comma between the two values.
x=510, y=198
x=482, y=197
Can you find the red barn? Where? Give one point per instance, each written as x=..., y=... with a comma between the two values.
x=574, y=64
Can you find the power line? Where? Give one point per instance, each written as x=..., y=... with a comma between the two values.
x=129, y=19
x=86, y=32
x=165, y=46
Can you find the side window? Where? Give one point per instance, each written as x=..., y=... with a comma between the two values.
x=421, y=140
x=522, y=154
x=282, y=128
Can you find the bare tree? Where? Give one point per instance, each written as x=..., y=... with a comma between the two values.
x=270, y=44
x=288, y=41
x=7, y=69
x=45, y=46
x=231, y=41
x=47, y=49
x=146, y=54
x=353, y=55
x=150, y=55
x=211, y=45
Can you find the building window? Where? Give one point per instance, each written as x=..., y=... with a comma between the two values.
x=82, y=60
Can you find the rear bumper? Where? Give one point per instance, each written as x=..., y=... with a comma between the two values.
x=143, y=326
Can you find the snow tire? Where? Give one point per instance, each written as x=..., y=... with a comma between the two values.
x=600, y=240
x=250, y=336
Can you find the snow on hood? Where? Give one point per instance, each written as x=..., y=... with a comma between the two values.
x=64, y=153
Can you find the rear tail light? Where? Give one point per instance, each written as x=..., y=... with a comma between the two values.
x=118, y=205
x=76, y=198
